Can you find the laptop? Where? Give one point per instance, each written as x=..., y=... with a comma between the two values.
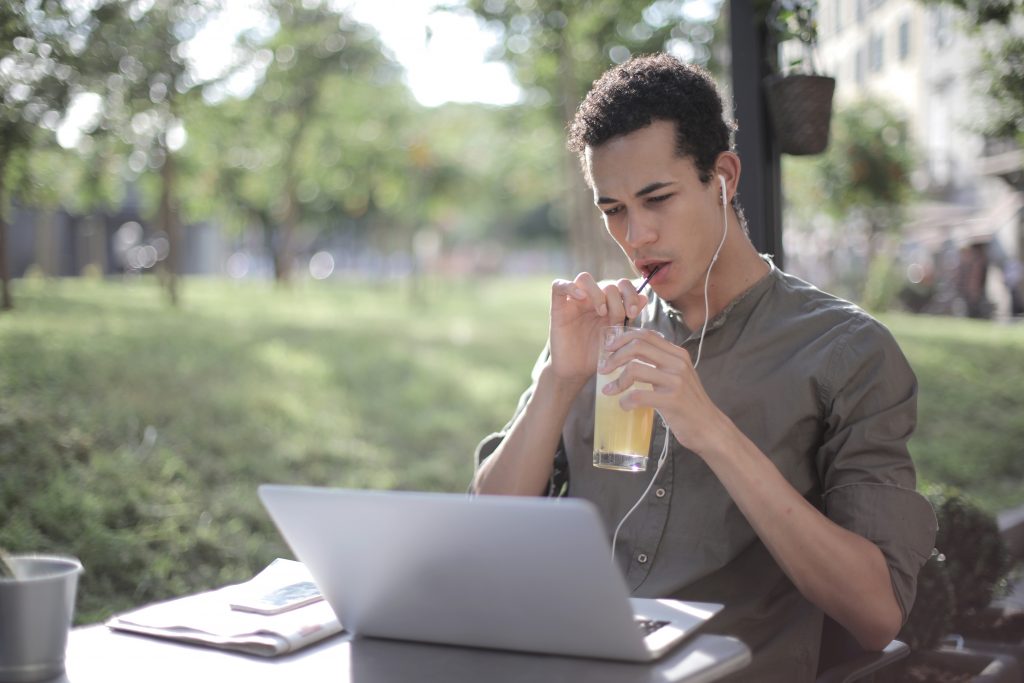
x=502, y=572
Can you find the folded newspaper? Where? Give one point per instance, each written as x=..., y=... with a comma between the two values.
x=277, y=611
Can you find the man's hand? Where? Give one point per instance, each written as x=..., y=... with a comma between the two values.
x=676, y=390
x=579, y=309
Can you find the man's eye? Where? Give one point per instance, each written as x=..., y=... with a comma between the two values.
x=659, y=198
x=612, y=211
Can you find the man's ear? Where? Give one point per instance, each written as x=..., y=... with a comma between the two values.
x=728, y=166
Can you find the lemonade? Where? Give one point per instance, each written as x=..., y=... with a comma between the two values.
x=622, y=438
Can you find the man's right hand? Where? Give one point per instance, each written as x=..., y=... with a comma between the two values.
x=579, y=309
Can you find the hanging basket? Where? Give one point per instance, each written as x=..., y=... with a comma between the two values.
x=800, y=107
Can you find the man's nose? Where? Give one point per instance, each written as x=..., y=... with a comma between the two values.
x=639, y=231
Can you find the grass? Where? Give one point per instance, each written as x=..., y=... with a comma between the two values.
x=971, y=406
x=133, y=435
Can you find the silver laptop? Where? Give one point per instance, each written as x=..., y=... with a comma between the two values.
x=511, y=573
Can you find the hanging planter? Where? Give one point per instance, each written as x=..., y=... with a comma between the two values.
x=800, y=100
x=800, y=108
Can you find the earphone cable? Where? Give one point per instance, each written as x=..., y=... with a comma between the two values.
x=700, y=345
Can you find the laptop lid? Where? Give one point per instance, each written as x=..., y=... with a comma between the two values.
x=530, y=574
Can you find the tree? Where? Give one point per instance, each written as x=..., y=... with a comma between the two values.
x=865, y=173
x=557, y=48
x=320, y=137
x=999, y=24
x=41, y=55
x=141, y=71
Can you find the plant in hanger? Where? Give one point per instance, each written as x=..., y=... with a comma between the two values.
x=799, y=97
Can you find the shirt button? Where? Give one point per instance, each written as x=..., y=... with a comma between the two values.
x=660, y=493
x=641, y=558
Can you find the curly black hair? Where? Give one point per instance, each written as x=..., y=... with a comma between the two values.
x=650, y=88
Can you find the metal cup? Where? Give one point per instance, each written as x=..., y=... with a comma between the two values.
x=36, y=609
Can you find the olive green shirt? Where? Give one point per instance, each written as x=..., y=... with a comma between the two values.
x=824, y=391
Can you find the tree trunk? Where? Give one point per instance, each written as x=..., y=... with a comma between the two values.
x=6, y=302
x=169, y=224
x=282, y=251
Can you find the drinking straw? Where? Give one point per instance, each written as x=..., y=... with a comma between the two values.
x=640, y=289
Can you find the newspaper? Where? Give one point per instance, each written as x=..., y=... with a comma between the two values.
x=209, y=618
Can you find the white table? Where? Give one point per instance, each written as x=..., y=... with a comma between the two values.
x=98, y=655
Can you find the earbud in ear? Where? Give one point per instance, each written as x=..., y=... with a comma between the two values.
x=721, y=181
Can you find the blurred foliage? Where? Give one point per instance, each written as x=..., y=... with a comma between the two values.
x=931, y=617
x=557, y=48
x=134, y=436
x=976, y=555
x=866, y=169
x=42, y=56
x=970, y=407
x=862, y=184
x=967, y=569
x=999, y=24
x=791, y=20
x=318, y=138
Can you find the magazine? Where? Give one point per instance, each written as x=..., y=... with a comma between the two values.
x=277, y=611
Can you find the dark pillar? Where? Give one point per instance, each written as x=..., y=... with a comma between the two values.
x=760, y=190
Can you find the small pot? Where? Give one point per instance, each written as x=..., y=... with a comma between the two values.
x=800, y=107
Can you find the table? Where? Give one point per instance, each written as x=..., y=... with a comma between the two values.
x=97, y=655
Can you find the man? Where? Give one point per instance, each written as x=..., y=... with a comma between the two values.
x=788, y=490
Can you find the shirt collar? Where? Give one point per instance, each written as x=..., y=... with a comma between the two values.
x=741, y=305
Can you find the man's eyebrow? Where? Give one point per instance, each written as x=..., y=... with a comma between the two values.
x=645, y=190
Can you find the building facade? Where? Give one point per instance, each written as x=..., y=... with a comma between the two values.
x=922, y=59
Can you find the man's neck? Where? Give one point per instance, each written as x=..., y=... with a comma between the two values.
x=738, y=267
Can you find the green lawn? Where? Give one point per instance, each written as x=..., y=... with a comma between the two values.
x=971, y=407
x=133, y=435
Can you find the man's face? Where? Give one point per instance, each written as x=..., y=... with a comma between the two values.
x=657, y=209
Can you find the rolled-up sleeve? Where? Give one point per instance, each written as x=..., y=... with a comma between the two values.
x=868, y=475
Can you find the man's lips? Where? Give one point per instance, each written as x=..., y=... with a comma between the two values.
x=648, y=268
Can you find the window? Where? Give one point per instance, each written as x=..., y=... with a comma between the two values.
x=904, y=40
x=858, y=66
x=875, y=52
x=860, y=11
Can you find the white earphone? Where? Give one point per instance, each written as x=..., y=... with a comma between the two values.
x=721, y=180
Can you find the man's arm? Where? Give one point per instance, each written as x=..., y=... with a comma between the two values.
x=522, y=462
x=843, y=573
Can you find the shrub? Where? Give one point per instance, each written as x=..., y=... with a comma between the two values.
x=976, y=555
x=932, y=615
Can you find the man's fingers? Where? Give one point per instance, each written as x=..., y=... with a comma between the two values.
x=616, y=309
x=632, y=302
x=567, y=289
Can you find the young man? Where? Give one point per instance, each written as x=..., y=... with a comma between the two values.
x=788, y=490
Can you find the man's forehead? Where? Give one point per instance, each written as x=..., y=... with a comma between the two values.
x=630, y=174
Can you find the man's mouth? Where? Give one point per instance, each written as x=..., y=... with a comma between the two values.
x=649, y=268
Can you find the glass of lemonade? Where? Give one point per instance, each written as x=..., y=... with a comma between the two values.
x=622, y=438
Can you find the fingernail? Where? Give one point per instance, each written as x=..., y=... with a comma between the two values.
x=632, y=311
x=603, y=309
x=578, y=294
x=607, y=388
